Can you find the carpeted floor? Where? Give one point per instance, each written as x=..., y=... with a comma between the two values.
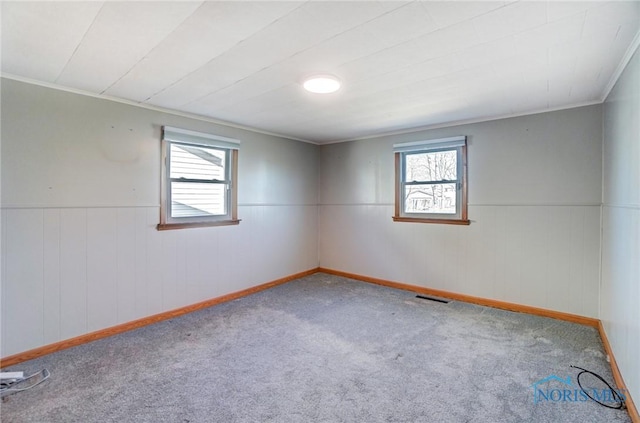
x=323, y=349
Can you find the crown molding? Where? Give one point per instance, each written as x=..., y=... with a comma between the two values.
x=149, y=107
x=465, y=122
x=621, y=66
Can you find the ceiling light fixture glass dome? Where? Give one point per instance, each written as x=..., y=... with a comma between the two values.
x=322, y=84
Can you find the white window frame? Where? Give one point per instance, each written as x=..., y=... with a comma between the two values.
x=170, y=136
x=401, y=151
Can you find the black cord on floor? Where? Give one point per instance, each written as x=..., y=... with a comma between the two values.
x=616, y=396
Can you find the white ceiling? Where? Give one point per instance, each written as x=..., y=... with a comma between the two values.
x=403, y=64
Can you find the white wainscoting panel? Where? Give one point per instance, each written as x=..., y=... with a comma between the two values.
x=22, y=302
x=73, y=273
x=542, y=256
x=70, y=271
x=51, y=277
x=621, y=289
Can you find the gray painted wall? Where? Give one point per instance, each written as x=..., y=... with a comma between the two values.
x=549, y=158
x=620, y=298
x=71, y=150
x=534, y=202
x=80, y=201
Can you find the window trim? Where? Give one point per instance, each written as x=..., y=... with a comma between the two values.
x=182, y=136
x=400, y=151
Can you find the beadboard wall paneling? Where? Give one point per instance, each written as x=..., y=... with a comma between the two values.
x=22, y=309
x=619, y=304
x=542, y=256
x=81, y=270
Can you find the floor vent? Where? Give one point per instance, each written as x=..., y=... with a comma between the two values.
x=438, y=300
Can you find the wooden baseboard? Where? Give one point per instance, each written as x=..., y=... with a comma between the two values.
x=617, y=376
x=588, y=321
x=125, y=327
x=135, y=324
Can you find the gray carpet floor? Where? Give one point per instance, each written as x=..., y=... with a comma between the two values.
x=322, y=349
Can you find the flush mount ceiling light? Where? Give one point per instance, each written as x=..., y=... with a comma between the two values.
x=322, y=84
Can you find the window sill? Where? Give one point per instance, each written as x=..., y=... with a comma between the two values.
x=441, y=221
x=170, y=226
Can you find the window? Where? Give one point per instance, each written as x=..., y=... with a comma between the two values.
x=431, y=181
x=199, y=182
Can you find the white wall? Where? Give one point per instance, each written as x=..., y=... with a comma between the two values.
x=620, y=300
x=80, y=201
x=534, y=202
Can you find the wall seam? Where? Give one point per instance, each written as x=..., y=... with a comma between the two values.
x=602, y=188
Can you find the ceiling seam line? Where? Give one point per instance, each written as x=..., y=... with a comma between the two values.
x=376, y=52
x=224, y=52
x=468, y=20
x=75, y=50
x=298, y=53
x=443, y=28
x=364, y=57
x=436, y=57
x=152, y=49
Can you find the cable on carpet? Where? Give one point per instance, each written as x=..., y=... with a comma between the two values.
x=616, y=396
x=7, y=388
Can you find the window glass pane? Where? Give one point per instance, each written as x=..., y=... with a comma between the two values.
x=194, y=199
x=431, y=198
x=433, y=166
x=195, y=162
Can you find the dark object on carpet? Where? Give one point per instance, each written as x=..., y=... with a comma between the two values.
x=438, y=300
